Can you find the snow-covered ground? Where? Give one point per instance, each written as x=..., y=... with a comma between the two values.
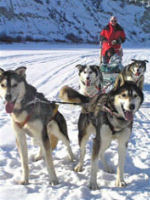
x=49, y=67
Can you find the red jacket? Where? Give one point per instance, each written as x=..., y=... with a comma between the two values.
x=110, y=33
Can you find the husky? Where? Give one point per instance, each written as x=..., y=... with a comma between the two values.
x=31, y=113
x=133, y=72
x=109, y=116
x=90, y=79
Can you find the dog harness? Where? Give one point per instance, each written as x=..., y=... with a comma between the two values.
x=106, y=109
x=98, y=91
x=113, y=128
x=22, y=124
x=97, y=88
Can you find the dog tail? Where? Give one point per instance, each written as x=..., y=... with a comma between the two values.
x=70, y=95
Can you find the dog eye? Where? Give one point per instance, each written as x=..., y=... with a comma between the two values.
x=123, y=95
x=2, y=85
x=135, y=95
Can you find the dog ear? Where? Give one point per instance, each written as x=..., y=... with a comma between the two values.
x=21, y=71
x=134, y=60
x=79, y=66
x=140, y=60
x=119, y=81
x=96, y=67
x=1, y=71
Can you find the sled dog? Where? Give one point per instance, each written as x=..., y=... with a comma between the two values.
x=31, y=113
x=90, y=79
x=109, y=116
x=133, y=72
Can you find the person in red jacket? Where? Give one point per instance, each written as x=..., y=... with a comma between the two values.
x=111, y=37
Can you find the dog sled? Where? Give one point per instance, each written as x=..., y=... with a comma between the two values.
x=111, y=70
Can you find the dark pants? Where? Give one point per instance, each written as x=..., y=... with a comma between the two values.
x=110, y=52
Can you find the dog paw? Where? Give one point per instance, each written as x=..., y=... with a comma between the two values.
x=78, y=168
x=121, y=184
x=71, y=157
x=22, y=182
x=94, y=186
x=36, y=158
x=54, y=182
x=109, y=170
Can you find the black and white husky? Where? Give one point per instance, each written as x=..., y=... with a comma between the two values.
x=109, y=116
x=90, y=79
x=33, y=114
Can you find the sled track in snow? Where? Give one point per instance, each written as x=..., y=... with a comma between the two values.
x=48, y=71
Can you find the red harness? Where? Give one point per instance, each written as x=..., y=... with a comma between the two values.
x=22, y=124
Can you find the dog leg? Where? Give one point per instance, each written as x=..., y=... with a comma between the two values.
x=47, y=153
x=84, y=139
x=120, y=170
x=106, y=138
x=94, y=165
x=22, y=149
x=93, y=178
x=85, y=130
x=53, y=129
x=95, y=157
x=67, y=143
x=39, y=155
x=121, y=160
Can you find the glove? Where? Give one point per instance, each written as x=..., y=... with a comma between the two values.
x=119, y=41
x=114, y=42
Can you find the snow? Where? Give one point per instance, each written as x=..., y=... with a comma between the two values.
x=49, y=67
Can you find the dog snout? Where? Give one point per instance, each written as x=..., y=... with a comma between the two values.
x=132, y=106
x=8, y=97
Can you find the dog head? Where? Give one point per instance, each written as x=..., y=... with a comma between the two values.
x=12, y=87
x=126, y=99
x=89, y=74
x=138, y=67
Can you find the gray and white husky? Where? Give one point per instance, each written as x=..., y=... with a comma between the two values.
x=109, y=116
x=31, y=113
x=133, y=72
x=90, y=79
